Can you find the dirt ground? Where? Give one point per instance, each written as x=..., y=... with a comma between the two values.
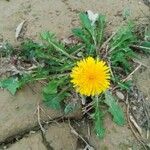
x=60, y=16
x=19, y=128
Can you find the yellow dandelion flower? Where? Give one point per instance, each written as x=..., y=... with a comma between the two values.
x=90, y=77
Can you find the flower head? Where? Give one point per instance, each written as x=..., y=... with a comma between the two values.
x=90, y=77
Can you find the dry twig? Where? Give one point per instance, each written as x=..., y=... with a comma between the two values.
x=39, y=119
x=88, y=107
x=89, y=131
x=87, y=147
x=143, y=64
x=107, y=41
x=147, y=116
x=128, y=77
x=51, y=119
x=131, y=127
x=135, y=124
x=19, y=29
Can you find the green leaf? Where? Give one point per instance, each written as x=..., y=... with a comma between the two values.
x=48, y=35
x=124, y=37
x=51, y=87
x=101, y=22
x=145, y=46
x=86, y=23
x=125, y=85
x=114, y=109
x=70, y=107
x=80, y=34
x=26, y=78
x=6, y=49
x=147, y=33
x=120, y=52
x=28, y=49
x=126, y=12
x=51, y=96
x=87, y=27
x=54, y=100
x=98, y=123
x=57, y=45
x=11, y=84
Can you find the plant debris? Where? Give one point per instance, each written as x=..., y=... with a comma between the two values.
x=19, y=29
x=140, y=108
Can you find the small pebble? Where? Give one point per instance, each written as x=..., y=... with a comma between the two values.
x=32, y=132
x=119, y=95
x=17, y=107
x=5, y=147
x=134, y=107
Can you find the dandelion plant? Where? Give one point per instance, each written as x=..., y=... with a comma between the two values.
x=85, y=67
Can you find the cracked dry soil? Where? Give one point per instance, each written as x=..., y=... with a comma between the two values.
x=19, y=129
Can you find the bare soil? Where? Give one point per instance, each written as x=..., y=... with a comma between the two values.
x=60, y=16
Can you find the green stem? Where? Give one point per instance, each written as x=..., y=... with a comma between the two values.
x=78, y=50
x=52, y=76
x=97, y=101
x=61, y=50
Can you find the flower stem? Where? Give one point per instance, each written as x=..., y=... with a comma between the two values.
x=97, y=101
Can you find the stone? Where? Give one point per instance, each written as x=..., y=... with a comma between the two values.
x=18, y=113
x=116, y=137
x=60, y=137
x=32, y=142
x=120, y=95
